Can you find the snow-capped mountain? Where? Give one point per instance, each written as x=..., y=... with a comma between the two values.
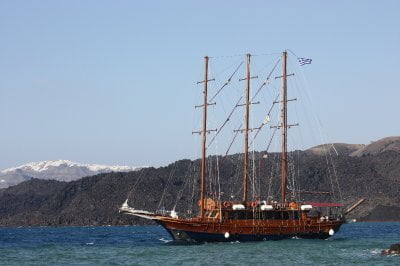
x=61, y=170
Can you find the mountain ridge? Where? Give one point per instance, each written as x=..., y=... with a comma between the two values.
x=379, y=146
x=61, y=170
x=375, y=147
x=65, y=170
x=94, y=200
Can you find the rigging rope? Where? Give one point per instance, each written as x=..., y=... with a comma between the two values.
x=266, y=81
x=166, y=185
x=329, y=172
x=335, y=173
x=193, y=189
x=230, y=145
x=241, y=55
x=226, y=121
x=253, y=174
x=142, y=173
x=273, y=166
x=219, y=190
x=264, y=123
x=227, y=82
x=184, y=186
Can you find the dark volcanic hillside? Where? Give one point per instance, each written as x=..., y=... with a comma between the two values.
x=94, y=200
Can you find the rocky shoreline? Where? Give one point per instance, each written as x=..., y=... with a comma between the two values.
x=393, y=250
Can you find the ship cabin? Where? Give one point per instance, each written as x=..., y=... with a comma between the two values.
x=291, y=211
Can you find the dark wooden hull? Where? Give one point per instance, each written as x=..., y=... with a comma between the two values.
x=247, y=230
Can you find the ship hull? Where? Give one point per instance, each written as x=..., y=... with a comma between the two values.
x=230, y=230
x=198, y=237
x=199, y=232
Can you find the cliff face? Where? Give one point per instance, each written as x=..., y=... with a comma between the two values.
x=95, y=200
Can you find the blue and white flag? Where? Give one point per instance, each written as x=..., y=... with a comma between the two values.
x=304, y=61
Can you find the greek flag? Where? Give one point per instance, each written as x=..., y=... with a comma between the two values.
x=304, y=61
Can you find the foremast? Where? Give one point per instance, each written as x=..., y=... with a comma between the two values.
x=204, y=132
x=204, y=139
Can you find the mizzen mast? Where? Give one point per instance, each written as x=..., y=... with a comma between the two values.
x=284, y=129
x=246, y=131
x=284, y=125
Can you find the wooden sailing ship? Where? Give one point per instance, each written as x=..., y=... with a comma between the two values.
x=247, y=220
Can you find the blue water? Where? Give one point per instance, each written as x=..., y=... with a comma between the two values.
x=357, y=243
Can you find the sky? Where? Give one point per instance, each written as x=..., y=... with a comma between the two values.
x=114, y=82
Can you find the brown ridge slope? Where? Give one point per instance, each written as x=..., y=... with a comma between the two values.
x=335, y=148
x=379, y=146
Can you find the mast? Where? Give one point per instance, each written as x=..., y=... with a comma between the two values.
x=204, y=134
x=284, y=129
x=246, y=132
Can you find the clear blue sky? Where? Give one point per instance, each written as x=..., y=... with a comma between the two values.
x=113, y=82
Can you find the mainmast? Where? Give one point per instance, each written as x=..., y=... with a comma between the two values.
x=246, y=131
x=284, y=129
x=204, y=133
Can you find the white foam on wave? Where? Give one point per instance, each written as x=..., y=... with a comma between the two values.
x=375, y=251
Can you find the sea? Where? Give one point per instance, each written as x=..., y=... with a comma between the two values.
x=354, y=244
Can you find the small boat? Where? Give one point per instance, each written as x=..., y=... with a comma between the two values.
x=255, y=219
